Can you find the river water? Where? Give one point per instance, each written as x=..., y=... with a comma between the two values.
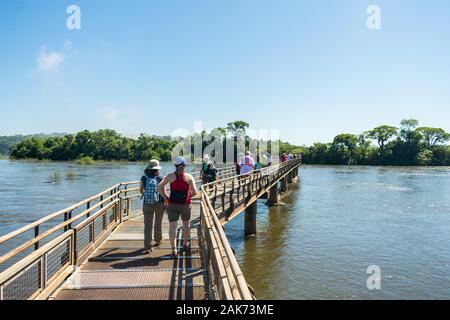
x=336, y=222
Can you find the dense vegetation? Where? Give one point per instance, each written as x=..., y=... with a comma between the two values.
x=408, y=145
x=383, y=145
x=6, y=142
x=100, y=145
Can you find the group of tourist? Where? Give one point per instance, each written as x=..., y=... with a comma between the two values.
x=178, y=204
x=182, y=189
x=157, y=202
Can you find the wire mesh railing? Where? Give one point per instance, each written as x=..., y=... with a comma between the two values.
x=224, y=199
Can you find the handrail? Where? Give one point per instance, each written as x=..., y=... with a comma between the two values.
x=234, y=275
x=278, y=165
x=52, y=230
x=220, y=170
x=226, y=278
x=9, y=273
x=56, y=214
x=230, y=196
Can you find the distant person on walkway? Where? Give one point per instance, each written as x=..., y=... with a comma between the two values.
x=153, y=205
x=258, y=164
x=247, y=163
x=182, y=189
x=269, y=159
x=283, y=157
x=237, y=164
x=208, y=173
x=290, y=156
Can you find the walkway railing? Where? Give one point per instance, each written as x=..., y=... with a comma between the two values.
x=226, y=281
x=232, y=195
x=63, y=240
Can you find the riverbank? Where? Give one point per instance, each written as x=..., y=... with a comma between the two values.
x=124, y=162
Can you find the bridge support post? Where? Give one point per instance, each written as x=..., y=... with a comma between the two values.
x=290, y=177
x=250, y=219
x=273, y=195
x=284, y=184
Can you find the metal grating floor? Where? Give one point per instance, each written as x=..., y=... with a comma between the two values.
x=118, y=269
x=135, y=279
x=189, y=293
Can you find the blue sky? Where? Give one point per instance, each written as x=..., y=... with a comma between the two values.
x=311, y=69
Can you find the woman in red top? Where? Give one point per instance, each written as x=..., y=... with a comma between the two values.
x=182, y=189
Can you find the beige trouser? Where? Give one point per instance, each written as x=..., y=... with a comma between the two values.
x=152, y=212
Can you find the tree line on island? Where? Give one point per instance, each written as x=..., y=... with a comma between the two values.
x=407, y=145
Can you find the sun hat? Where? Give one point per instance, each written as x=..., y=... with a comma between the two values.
x=206, y=157
x=180, y=161
x=153, y=165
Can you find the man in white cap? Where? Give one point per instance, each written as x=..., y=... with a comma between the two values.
x=153, y=206
x=182, y=189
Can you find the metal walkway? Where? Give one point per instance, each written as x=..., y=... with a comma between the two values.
x=118, y=269
x=94, y=249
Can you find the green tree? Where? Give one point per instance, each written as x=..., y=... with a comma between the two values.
x=237, y=128
x=382, y=134
x=343, y=147
x=407, y=130
x=433, y=136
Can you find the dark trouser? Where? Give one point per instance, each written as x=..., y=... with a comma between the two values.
x=152, y=212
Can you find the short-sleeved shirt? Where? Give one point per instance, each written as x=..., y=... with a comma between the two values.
x=247, y=164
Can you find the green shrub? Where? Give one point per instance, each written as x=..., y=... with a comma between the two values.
x=85, y=161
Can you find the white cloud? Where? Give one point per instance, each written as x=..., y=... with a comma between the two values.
x=48, y=61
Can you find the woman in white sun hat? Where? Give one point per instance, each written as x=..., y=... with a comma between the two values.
x=153, y=206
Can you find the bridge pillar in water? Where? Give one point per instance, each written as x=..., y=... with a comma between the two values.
x=272, y=198
x=250, y=219
x=290, y=176
x=284, y=184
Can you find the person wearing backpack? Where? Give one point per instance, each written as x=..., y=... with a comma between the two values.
x=153, y=205
x=182, y=189
x=204, y=173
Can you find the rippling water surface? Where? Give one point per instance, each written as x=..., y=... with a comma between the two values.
x=336, y=222
x=340, y=220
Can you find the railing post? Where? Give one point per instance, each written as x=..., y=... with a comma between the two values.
x=66, y=217
x=43, y=273
x=69, y=216
x=223, y=198
x=88, y=206
x=120, y=209
x=36, y=234
x=231, y=198
x=74, y=247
